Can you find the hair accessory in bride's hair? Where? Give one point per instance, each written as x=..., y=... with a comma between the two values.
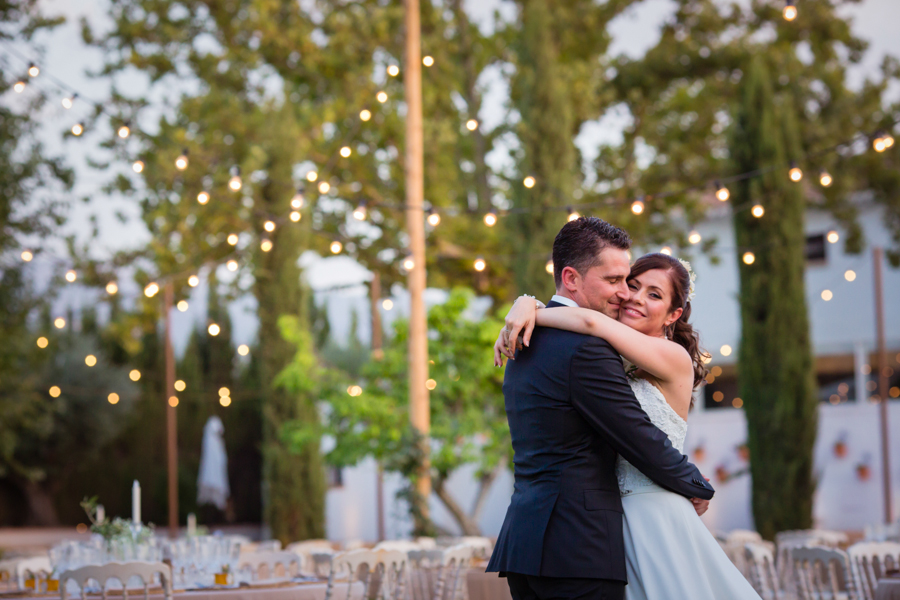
x=691, y=275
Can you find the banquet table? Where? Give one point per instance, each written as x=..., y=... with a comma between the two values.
x=486, y=586
x=888, y=589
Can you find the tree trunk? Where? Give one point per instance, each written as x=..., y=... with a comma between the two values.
x=41, y=509
x=466, y=523
x=775, y=367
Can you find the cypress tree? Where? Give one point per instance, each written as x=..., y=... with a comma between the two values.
x=775, y=367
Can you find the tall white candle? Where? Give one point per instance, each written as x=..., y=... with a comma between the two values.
x=136, y=502
x=101, y=513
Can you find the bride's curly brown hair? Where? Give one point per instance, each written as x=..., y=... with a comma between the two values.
x=681, y=331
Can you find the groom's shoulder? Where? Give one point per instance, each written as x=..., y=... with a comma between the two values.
x=553, y=340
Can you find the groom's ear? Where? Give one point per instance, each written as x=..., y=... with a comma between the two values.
x=571, y=279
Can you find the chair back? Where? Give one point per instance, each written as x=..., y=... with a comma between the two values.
x=400, y=545
x=822, y=574
x=255, y=561
x=439, y=574
x=786, y=541
x=759, y=558
x=122, y=572
x=733, y=545
x=481, y=546
x=383, y=573
x=312, y=553
x=868, y=563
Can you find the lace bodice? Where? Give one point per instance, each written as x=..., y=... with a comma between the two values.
x=663, y=416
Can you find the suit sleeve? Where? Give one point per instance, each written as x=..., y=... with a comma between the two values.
x=601, y=394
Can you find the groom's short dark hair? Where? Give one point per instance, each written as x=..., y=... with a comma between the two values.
x=579, y=242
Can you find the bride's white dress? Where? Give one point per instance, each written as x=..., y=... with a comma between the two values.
x=669, y=551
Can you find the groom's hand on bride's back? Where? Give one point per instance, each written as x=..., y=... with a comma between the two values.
x=700, y=505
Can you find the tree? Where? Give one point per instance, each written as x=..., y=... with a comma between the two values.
x=467, y=412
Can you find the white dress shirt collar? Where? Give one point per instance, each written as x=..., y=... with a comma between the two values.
x=563, y=300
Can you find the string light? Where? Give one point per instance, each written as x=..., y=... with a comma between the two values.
x=179, y=385
x=409, y=263
x=480, y=265
x=181, y=163
x=354, y=390
x=151, y=290
x=203, y=197
x=336, y=247
x=42, y=342
x=431, y=384
x=790, y=11
x=173, y=401
x=113, y=398
x=427, y=60
x=134, y=375
x=381, y=97
x=77, y=129
x=71, y=276
x=69, y=101
x=19, y=86
x=298, y=200
x=59, y=322
x=112, y=288
x=694, y=237
x=235, y=183
x=138, y=166
x=433, y=218
x=529, y=182
x=387, y=304
x=182, y=305
x=225, y=400
x=265, y=245
x=90, y=360
x=832, y=237
x=269, y=226
x=393, y=70
x=27, y=255
x=232, y=265
x=665, y=250
x=312, y=176
x=850, y=275
x=55, y=391
x=124, y=131
x=324, y=187
x=213, y=329
x=365, y=115
x=346, y=151
x=243, y=349
x=193, y=281
x=637, y=207
x=490, y=218
x=549, y=267
x=795, y=173
x=359, y=213
x=757, y=211
x=232, y=239
x=572, y=214
x=295, y=216
x=824, y=178
x=722, y=192
x=224, y=391
x=471, y=124
x=33, y=70
x=749, y=258
x=725, y=350
x=887, y=139
x=827, y=295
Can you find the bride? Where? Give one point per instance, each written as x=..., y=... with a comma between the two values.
x=669, y=551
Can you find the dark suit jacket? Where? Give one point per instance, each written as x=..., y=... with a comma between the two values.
x=571, y=413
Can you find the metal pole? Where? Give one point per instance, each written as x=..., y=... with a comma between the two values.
x=171, y=418
x=377, y=354
x=878, y=258
x=419, y=411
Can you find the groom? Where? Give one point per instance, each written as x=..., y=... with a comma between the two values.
x=571, y=413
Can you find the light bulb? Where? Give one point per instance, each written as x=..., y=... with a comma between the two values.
x=77, y=129
x=795, y=173
x=19, y=86
x=243, y=349
x=549, y=267
x=409, y=263
x=749, y=258
x=295, y=216
x=790, y=11
x=265, y=245
x=193, y=281
x=68, y=101
x=213, y=329
x=387, y=304
x=181, y=163
x=232, y=239
x=490, y=219
x=324, y=187
x=224, y=391
x=173, y=401
x=824, y=178
x=694, y=237
x=757, y=210
x=725, y=350
x=43, y=342
x=427, y=61
x=359, y=213
x=232, y=265
x=235, y=184
x=27, y=255
x=346, y=151
x=59, y=322
x=179, y=385
x=381, y=97
x=393, y=70
x=365, y=115
x=112, y=288
x=637, y=207
x=336, y=247
x=138, y=166
x=151, y=290
x=203, y=197
x=312, y=176
x=113, y=398
x=529, y=182
x=480, y=265
x=471, y=124
x=55, y=391
x=572, y=215
x=888, y=140
x=433, y=218
x=90, y=360
x=832, y=237
x=722, y=192
x=33, y=70
x=665, y=250
x=269, y=226
x=134, y=375
x=71, y=276
x=124, y=131
x=225, y=401
x=850, y=275
x=182, y=306
x=827, y=295
x=298, y=200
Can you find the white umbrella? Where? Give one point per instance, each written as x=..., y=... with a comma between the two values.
x=212, y=482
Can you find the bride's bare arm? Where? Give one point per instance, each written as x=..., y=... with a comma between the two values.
x=665, y=360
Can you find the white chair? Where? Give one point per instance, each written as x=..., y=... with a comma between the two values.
x=312, y=553
x=786, y=541
x=123, y=572
x=868, y=563
x=482, y=547
x=382, y=573
x=399, y=545
x=255, y=561
x=733, y=546
x=760, y=562
x=823, y=574
x=455, y=563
